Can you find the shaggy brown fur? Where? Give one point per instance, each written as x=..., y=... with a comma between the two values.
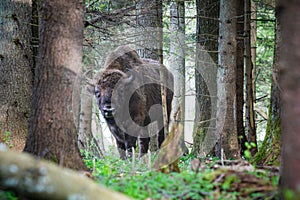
x=124, y=68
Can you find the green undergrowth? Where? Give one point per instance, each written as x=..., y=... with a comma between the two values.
x=206, y=182
x=204, y=179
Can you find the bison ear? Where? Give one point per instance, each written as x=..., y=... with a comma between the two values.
x=90, y=83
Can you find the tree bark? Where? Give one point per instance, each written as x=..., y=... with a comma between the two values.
x=267, y=155
x=163, y=77
x=38, y=179
x=253, y=34
x=36, y=20
x=289, y=69
x=177, y=62
x=240, y=74
x=204, y=134
x=149, y=39
x=250, y=114
x=55, y=104
x=86, y=139
x=226, y=79
x=177, y=55
x=16, y=71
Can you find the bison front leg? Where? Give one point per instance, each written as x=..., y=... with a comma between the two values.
x=144, y=146
x=130, y=142
x=121, y=149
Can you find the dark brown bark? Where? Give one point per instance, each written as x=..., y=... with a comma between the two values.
x=55, y=105
x=240, y=77
x=16, y=64
x=205, y=75
x=289, y=76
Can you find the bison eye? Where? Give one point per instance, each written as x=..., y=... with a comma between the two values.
x=97, y=92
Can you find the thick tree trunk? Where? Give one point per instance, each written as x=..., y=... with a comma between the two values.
x=204, y=137
x=37, y=179
x=226, y=79
x=289, y=66
x=55, y=105
x=16, y=71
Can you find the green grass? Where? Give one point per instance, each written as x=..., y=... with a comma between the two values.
x=208, y=183
x=8, y=195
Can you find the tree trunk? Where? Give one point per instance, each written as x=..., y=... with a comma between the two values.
x=86, y=140
x=204, y=136
x=177, y=61
x=226, y=79
x=240, y=77
x=55, y=105
x=37, y=179
x=16, y=71
x=250, y=114
x=253, y=35
x=36, y=20
x=149, y=38
x=267, y=155
x=177, y=55
x=163, y=78
x=289, y=59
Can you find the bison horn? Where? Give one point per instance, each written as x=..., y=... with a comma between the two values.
x=88, y=80
x=128, y=77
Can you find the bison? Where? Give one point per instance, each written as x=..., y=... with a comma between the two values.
x=128, y=93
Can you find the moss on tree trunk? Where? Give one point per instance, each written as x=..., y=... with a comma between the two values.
x=269, y=153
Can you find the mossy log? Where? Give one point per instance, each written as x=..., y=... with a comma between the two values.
x=37, y=179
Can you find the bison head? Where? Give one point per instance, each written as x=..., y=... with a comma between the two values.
x=105, y=87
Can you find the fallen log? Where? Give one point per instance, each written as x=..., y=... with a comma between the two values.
x=38, y=179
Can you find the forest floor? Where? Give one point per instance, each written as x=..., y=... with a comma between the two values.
x=207, y=178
